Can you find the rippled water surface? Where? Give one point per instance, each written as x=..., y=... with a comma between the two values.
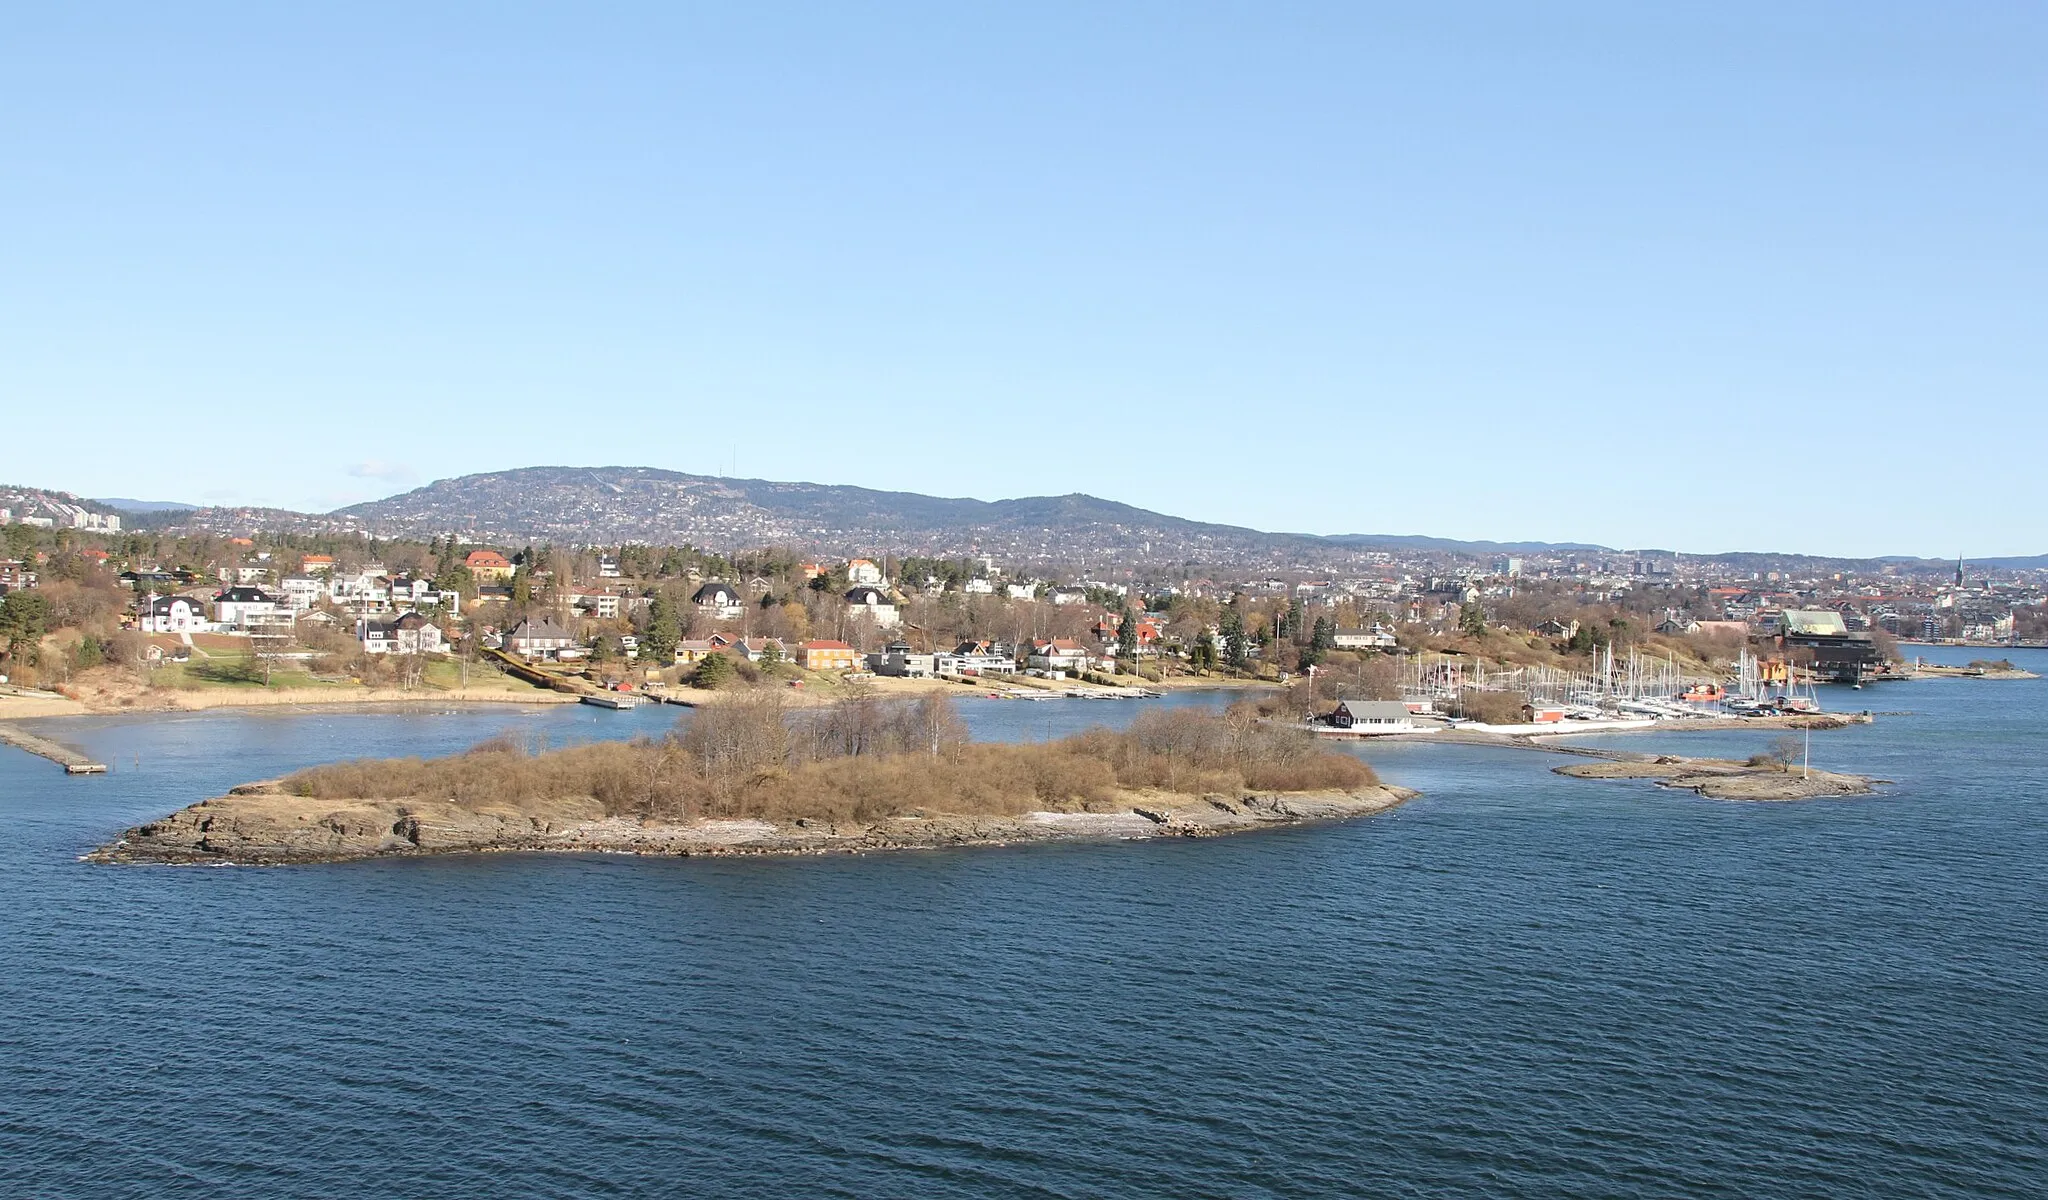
x=1517, y=985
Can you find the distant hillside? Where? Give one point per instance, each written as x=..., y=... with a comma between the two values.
x=597, y=506
x=145, y=506
x=605, y=505
x=63, y=508
x=1381, y=541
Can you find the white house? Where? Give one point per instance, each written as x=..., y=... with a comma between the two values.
x=1364, y=639
x=978, y=587
x=243, y=607
x=861, y=571
x=719, y=600
x=364, y=591
x=897, y=659
x=1060, y=654
x=970, y=658
x=408, y=634
x=874, y=604
x=1021, y=591
x=602, y=605
x=1372, y=716
x=170, y=614
x=754, y=649
x=301, y=592
x=408, y=591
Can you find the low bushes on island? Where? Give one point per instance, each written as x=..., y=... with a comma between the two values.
x=863, y=760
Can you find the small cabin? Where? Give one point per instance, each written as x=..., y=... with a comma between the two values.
x=1371, y=716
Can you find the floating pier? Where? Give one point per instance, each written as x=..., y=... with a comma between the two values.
x=71, y=760
x=613, y=700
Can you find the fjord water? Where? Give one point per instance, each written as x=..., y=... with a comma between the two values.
x=1516, y=985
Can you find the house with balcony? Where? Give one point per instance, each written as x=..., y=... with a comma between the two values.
x=248, y=607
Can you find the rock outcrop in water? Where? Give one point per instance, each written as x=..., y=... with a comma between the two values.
x=1724, y=779
x=259, y=824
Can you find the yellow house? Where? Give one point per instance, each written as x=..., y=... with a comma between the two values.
x=488, y=566
x=826, y=656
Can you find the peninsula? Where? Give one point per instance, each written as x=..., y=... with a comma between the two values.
x=750, y=778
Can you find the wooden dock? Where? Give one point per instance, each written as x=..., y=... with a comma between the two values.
x=71, y=760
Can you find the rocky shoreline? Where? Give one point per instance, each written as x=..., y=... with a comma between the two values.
x=261, y=825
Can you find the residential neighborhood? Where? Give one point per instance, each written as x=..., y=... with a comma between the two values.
x=653, y=617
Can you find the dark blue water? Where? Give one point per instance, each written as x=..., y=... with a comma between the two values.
x=1518, y=985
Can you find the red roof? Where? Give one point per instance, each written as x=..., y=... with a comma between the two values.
x=486, y=558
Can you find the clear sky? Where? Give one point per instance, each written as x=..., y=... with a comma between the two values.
x=1708, y=276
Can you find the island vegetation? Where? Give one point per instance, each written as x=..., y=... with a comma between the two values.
x=752, y=776
x=862, y=759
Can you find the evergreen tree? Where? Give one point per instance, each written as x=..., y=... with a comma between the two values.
x=664, y=630
x=1236, y=648
x=24, y=618
x=1127, y=633
x=1325, y=635
x=1296, y=620
x=1203, y=657
x=714, y=671
x=1472, y=620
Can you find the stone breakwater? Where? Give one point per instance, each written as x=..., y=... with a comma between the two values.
x=259, y=824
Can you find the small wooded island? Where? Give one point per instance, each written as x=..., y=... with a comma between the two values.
x=751, y=778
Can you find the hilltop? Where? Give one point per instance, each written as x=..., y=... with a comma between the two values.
x=615, y=505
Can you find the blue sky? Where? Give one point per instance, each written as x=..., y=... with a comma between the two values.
x=1705, y=276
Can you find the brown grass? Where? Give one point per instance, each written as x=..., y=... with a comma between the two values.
x=853, y=763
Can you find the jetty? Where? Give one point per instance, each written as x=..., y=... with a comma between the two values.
x=73, y=762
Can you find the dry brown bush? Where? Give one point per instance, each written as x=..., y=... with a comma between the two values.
x=1493, y=708
x=868, y=761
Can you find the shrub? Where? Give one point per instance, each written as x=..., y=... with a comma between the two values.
x=1778, y=756
x=862, y=760
x=1492, y=708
